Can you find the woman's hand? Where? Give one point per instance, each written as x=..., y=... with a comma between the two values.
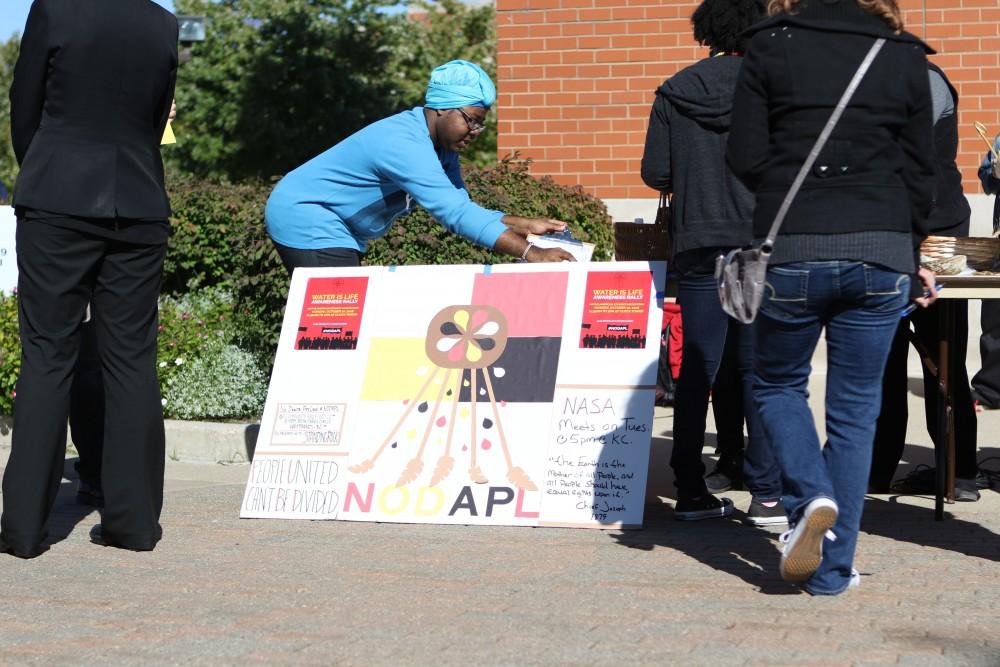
x=524, y=226
x=513, y=244
x=536, y=254
x=927, y=280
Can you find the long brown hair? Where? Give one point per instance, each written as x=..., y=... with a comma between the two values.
x=887, y=10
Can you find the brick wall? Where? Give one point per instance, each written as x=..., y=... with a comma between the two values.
x=576, y=79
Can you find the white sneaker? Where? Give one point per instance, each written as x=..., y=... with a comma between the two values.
x=803, y=550
x=855, y=579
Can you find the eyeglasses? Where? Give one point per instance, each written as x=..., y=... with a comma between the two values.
x=474, y=124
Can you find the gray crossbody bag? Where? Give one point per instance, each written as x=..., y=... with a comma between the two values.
x=740, y=274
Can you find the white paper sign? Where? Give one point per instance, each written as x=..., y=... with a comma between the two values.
x=8, y=255
x=519, y=394
x=308, y=424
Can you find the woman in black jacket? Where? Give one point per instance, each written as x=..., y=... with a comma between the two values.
x=685, y=155
x=845, y=255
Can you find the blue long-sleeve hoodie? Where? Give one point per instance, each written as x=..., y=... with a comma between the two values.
x=353, y=192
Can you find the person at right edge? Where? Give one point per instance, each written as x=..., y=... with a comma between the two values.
x=949, y=217
x=711, y=211
x=845, y=259
x=986, y=383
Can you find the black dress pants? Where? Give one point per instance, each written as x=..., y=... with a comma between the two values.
x=60, y=270
x=86, y=408
x=890, y=433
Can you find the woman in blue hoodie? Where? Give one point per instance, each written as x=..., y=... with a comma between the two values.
x=325, y=212
x=685, y=155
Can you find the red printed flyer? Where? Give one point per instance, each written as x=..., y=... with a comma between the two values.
x=331, y=314
x=616, y=309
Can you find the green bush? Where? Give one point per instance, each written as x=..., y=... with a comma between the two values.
x=219, y=240
x=260, y=291
x=224, y=383
x=192, y=326
x=10, y=352
x=197, y=363
x=210, y=224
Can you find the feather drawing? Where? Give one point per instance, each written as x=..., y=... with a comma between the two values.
x=362, y=467
x=477, y=476
x=411, y=472
x=442, y=469
x=520, y=479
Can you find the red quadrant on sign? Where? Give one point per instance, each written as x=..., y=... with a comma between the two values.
x=532, y=302
x=331, y=313
x=616, y=309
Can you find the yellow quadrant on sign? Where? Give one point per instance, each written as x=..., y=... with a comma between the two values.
x=397, y=369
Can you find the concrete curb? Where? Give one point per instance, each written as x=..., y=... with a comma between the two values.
x=211, y=442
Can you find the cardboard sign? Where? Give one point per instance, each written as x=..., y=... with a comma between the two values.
x=8, y=254
x=462, y=394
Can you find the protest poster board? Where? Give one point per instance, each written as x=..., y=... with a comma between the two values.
x=518, y=394
x=8, y=254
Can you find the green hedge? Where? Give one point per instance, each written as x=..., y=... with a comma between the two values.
x=10, y=352
x=219, y=240
x=202, y=374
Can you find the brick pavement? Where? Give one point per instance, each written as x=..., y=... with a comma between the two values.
x=219, y=590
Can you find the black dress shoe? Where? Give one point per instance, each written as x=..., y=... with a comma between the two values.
x=89, y=494
x=98, y=537
x=30, y=553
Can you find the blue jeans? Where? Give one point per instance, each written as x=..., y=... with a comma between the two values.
x=859, y=305
x=706, y=330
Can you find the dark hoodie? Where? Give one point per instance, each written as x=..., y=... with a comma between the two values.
x=685, y=155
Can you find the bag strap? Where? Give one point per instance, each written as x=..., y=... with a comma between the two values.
x=768, y=245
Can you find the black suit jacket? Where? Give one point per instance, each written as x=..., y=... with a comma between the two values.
x=90, y=98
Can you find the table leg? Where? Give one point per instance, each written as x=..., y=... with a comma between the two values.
x=949, y=337
x=944, y=443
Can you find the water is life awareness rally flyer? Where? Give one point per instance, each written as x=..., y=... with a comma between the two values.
x=517, y=394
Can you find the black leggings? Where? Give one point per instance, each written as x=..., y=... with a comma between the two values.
x=294, y=258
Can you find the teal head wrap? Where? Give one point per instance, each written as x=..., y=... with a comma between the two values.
x=460, y=83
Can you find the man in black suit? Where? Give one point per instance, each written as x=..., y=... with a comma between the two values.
x=91, y=93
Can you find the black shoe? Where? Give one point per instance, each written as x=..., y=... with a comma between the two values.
x=763, y=512
x=965, y=490
x=725, y=477
x=664, y=397
x=98, y=537
x=922, y=480
x=89, y=494
x=26, y=554
x=702, y=507
x=983, y=402
x=988, y=476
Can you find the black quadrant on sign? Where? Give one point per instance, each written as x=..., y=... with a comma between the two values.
x=528, y=366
